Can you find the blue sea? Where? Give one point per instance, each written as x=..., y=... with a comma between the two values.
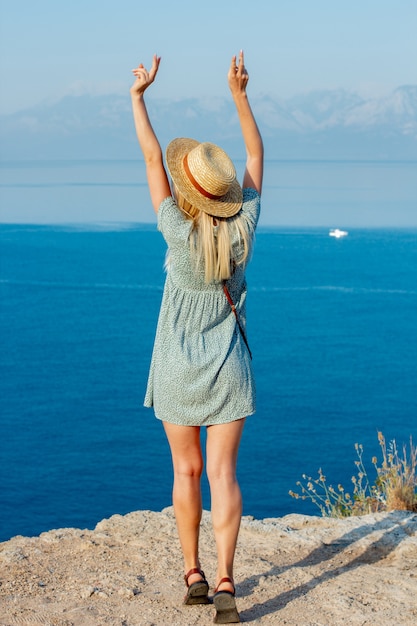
x=332, y=325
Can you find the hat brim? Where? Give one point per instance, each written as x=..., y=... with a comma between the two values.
x=226, y=206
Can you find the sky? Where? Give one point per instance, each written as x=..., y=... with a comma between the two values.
x=49, y=49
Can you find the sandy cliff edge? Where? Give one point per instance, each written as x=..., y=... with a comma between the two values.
x=300, y=570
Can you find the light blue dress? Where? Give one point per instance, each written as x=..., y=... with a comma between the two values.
x=201, y=372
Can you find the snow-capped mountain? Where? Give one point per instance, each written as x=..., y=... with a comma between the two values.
x=320, y=124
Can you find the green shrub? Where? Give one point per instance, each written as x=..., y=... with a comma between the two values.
x=394, y=488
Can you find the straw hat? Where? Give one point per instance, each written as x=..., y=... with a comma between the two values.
x=205, y=176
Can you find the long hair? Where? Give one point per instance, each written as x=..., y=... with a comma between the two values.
x=218, y=244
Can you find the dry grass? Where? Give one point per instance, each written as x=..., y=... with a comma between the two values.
x=394, y=488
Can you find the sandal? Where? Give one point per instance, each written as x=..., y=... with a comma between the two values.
x=225, y=603
x=197, y=593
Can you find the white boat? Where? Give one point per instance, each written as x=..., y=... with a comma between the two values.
x=336, y=232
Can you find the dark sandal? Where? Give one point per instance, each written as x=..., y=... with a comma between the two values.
x=197, y=593
x=225, y=603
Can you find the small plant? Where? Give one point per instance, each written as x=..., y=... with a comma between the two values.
x=394, y=488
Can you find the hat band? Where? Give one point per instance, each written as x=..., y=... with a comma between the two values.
x=195, y=184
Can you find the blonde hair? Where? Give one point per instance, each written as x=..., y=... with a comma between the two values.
x=213, y=241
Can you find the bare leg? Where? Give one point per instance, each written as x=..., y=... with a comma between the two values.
x=226, y=501
x=187, y=462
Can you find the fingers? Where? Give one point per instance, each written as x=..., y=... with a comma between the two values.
x=155, y=66
x=145, y=76
x=139, y=71
x=241, y=60
x=239, y=68
x=242, y=71
x=237, y=75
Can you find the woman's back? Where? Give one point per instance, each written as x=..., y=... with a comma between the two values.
x=176, y=229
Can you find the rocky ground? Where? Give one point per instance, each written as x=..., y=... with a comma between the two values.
x=297, y=570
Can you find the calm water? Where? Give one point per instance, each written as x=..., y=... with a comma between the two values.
x=332, y=325
x=296, y=193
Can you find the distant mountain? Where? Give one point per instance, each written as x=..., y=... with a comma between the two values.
x=318, y=125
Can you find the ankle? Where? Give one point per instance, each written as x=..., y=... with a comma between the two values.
x=225, y=583
x=193, y=575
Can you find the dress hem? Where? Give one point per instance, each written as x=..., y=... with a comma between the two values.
x=206, y=422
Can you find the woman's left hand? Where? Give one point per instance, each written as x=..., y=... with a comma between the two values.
x=144, y=78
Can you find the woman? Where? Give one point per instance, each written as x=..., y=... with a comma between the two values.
x=201, y=373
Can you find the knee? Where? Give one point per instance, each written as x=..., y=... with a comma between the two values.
x=223, y=473
x=188, y=469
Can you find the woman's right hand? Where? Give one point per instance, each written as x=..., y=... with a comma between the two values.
x=238, y=79
x=144, y=78
x=238, y=75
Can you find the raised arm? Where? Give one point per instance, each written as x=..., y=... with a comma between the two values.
x=155, y=171
x=238, y=79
